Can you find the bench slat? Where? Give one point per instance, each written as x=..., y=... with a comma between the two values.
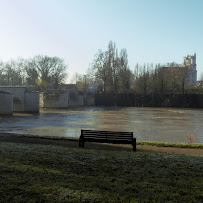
x=110, y=141
x=107, y=137
x=118, y=133
x=98, y=135
x=108, y=132
x=93, y=137
x=121, y=139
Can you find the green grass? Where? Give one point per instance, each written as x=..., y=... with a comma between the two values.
x=171, y=144
x=39, y=173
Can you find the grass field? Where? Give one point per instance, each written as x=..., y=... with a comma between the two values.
x=46, y=173
x=172, y=144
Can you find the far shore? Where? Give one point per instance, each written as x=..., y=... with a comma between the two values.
x=73, y=142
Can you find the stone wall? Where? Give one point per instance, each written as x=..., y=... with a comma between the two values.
x=31, y=102
x=65, y=99
x=61, y=100
x=41, y=100
x=6, y=103
x=18, y=95
x=16, y=91
x=139, y=100
x=22, y=101
x=89, y=99
x=18, y=105
x=73, y=99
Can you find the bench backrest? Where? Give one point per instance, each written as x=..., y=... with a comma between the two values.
x=107, y=135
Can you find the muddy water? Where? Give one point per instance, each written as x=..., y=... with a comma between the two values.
x=148, y=124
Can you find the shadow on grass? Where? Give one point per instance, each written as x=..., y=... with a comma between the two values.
x=196, y=149
x=48, y=173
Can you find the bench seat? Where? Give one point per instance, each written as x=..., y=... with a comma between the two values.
x=107, y=137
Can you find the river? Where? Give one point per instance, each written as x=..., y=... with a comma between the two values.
x=147, y=124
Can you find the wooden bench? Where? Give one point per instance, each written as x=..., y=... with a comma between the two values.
x=107, y=137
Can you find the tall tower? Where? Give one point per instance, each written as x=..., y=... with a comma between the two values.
x=190, y=64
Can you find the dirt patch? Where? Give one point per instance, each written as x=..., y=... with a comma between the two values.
x=7, y=137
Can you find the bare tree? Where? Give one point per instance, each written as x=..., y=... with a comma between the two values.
x=46, y=71
x=12, y=74
x=75, y=78
x=81, y=81
x=2, y=75
x=125, y=74
x=59, y=73
x=112, y=69
x=142, y=80
x=183, y=73
x=100, y=68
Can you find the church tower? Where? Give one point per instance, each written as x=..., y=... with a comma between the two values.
x=190, y=64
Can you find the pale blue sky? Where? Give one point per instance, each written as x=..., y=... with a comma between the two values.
x=152, y=31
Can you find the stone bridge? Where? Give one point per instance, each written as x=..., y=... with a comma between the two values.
x=18, y=99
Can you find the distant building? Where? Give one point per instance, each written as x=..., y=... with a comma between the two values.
x=188, y=69
x=190, y=64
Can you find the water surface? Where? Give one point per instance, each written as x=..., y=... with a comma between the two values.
x=147, y=124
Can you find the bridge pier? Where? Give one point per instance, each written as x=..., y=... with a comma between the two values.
x=6, y=103
x=18, y=99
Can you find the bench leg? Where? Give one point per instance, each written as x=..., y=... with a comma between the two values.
x=134, y=144
x=81, y=143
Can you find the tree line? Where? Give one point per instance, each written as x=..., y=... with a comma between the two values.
x=161, y=79
x=112, y=69
x=39, y=72
x=113, y=72
x=109, y=73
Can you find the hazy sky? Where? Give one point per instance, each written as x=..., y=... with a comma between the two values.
x=152, y=31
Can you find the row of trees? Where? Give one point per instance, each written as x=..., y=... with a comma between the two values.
x=109, y=72
x=40, y=72
x=112, y=70
x=160, y=80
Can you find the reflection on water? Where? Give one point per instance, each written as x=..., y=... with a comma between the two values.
x=148, y=124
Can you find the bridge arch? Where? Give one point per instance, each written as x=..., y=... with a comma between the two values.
x=6, y=103
x=17, y=105
x=22, y=99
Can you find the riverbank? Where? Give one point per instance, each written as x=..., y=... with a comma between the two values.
x=45, y=172
x=180, y=148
